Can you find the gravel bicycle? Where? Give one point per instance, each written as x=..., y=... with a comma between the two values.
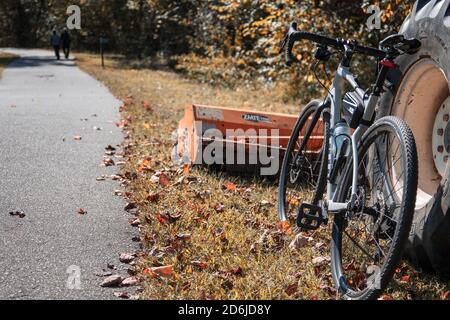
x=366, y=172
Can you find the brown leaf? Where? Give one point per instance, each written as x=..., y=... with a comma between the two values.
x=81, y=211
x=320, y=260
x=77, y=138
x=130, y=206
x=108, y=162
x=135, y=222
x=165, y=271
x=299, y=242
x=127, y=257
x=147, y=106
x=219, y=208
x=292, y=289
x=238, y=272
x=161, y=218
x=184, y=237
x=230, y=186
x=200, y=265
x=113, y=281
x=145, y=165
x=285, y=227
x=186, y=170
x=19, y=214
x=122, y=295
x=405, y=278
x=164, y=180
x=154, y=197
x=174, y=217
x=130, y=282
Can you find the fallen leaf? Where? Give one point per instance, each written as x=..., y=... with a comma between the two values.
x=108, y=162
x=77, y=138
x=219, y=208
x=200, y=265
x=184, y=237
x=164, y=180
x=405, y=278
x=174, y=217
x=161, y=219
x=145, y=165
x=130, y=206
x=165, y=271
x=292, y=289
x=130, y=282
x=446, y=295
x=154, y=197
x=127, y=257
x=299, y=242
x=285, y=227
x=147, y=106
x=230, y=186
x=111, y=266
x=385, y=297
x=110, y=148
x=122, y=295
x=238, y=272
x=19, y=214
x=320, y=260
x=265, y=203
x=81, y=211
x=113, y=281
x=135, y=222
x=118, y=193
x=186, y=170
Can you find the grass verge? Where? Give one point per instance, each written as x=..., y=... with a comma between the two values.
x=206, y=235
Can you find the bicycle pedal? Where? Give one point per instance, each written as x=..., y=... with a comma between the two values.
x=310, y=217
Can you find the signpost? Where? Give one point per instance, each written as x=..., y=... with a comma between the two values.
x=103, y=42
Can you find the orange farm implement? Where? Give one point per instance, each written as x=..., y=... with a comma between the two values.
x=235, y=140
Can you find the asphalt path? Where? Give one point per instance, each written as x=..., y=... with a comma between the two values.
x=48, y=175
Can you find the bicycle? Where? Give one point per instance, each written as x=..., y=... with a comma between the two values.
x=365, y=175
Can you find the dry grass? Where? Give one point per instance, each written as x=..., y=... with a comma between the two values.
x=5, y=59
x=203, y=226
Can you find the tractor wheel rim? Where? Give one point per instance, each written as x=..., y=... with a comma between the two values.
x=441, y=137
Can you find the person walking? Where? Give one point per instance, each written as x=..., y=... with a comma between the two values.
x=55, y=42
x=65, y=41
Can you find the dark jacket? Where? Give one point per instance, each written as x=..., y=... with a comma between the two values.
x=65, y=39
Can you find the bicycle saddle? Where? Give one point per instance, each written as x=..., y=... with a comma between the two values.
x=400, y=44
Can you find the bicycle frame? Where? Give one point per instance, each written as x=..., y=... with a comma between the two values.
x=334, y=101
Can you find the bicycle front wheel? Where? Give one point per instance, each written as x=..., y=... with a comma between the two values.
x=368, y=241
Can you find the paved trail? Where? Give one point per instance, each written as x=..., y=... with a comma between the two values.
x=41, y=103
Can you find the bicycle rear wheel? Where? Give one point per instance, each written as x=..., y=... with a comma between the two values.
x=368, y=241
x=304, y=170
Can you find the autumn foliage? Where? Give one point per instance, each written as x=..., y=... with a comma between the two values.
x=223, y=42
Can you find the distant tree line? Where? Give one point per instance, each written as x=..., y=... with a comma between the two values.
x=218, y=40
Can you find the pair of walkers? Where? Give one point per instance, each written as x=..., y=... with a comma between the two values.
x=63, y=41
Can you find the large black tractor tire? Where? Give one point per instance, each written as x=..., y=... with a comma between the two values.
x=420, y=95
